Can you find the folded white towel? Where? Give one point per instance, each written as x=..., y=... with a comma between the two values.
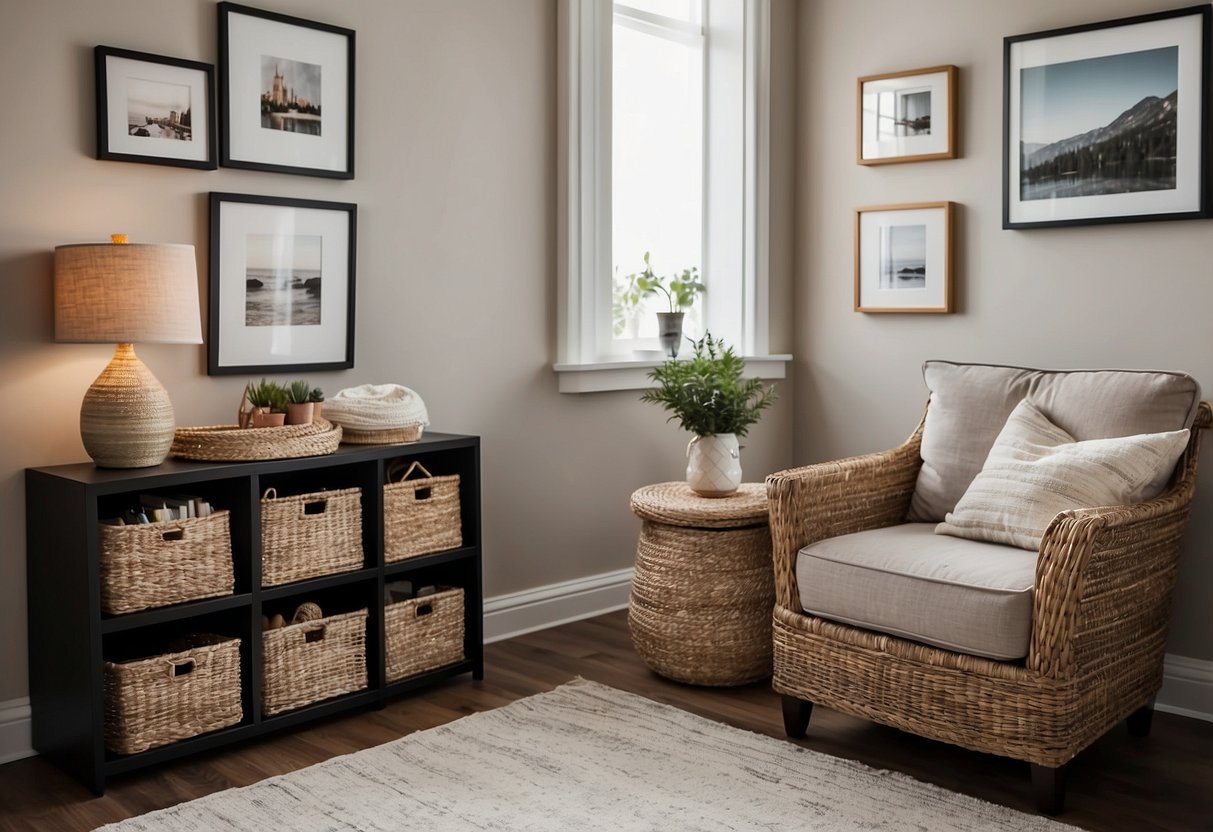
x=376, y=407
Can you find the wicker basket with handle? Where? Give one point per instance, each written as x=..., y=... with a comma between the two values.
x=314, y=660
x=154, y=701
x=156, y=564
x=424, y=633
x=420, y=515
x=307, y=535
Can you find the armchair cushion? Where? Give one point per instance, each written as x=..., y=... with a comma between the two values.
x=960, y=595
x=970, y=404
x=1036, y=470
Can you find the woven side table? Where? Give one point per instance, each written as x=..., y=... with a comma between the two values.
x=704, y=589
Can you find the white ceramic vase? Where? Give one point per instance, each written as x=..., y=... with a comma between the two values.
x=714, y=465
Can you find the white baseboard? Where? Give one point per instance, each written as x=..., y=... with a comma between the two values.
x=1187, y=688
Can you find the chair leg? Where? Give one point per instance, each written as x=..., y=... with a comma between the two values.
x=1049, y=788
x=796, y=713
x=1140, y=720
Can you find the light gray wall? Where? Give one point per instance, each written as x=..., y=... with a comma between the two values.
x=1126, y=295
x=455, y=190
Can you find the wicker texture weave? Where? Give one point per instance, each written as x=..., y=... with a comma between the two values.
x=387, y=436
x=424, y=633
x=700, y=607
x=230, y=443
x=162, y=699
x=315, y=660
x=420, y=515
x=1099, y=619
x=156, y=564
x=308, y=535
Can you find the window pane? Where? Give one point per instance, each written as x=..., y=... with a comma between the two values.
x=685, y=10
x=657, y=171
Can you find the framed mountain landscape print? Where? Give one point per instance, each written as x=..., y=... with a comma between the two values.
x=1108, y=122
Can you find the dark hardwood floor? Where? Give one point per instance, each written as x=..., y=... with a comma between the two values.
x=1161, y=782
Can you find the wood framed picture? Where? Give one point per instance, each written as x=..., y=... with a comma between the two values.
x=281, y=284
x=1108, y=122
x=154, y=109
x=903, y=257
x=907, y=116
x=286, y=91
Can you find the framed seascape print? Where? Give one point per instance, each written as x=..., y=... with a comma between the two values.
x=1108, y=122
x=286, y=91
x=907, y=116
x=903, y=258
x=281, y=285
x=154, y=109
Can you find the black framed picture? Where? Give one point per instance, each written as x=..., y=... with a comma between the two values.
x=154, y=109
x=286, y=91
x=281, y=284
x=1108, y=122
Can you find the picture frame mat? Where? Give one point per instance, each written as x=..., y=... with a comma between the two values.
x=937, y=145
x=249, y=37
x=936, y=296
x=281, y=345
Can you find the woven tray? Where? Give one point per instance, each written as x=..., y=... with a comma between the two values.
x=165, y=563
x=390, y=436
x=424, y=633
x=162, y=699
x=315, y=660
x=229, y=443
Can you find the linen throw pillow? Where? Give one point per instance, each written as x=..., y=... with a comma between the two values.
x=1036, y=470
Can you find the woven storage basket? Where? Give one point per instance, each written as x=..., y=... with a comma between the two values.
x=420, y=515
x=165, y=563
x=424, y=633
x=314, y=660
x=306, y=535
x=387, y=436
x=162, y=699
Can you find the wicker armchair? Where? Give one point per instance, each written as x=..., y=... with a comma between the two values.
x=1100, y=611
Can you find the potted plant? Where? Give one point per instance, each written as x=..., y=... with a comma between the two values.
x=269, y=402
x=299, y=406
x=709, y=398
x=679, y=294
x=317, y=399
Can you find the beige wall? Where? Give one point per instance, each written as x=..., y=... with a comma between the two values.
x=1130, y=295
x=456, y=273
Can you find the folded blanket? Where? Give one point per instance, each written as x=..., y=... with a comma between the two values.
x=376, y=407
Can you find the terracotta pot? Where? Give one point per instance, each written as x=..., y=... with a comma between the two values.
x=263, y=417
x=299, y=414
x=316, y=408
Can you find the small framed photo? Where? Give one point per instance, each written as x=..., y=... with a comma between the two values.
x=286, y=91
x=907, y=116
x=281, y=285
x=154, y=109
x=903, y=257
x=1108, y=122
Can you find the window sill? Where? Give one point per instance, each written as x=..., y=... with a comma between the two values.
x=634, y=375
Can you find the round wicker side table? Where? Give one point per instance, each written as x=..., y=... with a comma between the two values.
x=704, y=589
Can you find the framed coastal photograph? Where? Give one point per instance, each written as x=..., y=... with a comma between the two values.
x=281, y=285
x=1108, y=122
x=286, y=91
x=903, y=257
x=154, y=109
x=907, y=116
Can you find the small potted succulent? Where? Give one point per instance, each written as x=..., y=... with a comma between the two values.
x=299, y=406
x=316, y=397
x=269, y=401
x=708, y=396
x=679, y=293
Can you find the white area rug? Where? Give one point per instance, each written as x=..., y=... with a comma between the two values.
x=587, y=757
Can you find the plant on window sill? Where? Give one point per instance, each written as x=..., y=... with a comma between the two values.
x=679, y=294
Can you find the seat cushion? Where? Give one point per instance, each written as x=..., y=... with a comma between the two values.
x=960, y=595
x=970, y=403
x=1036, y=470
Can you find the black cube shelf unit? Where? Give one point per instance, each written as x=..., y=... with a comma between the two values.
x=70, y=636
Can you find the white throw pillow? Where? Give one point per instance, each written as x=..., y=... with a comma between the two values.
x=1036, y=470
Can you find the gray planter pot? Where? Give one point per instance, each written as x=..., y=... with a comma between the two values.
x=669, y=331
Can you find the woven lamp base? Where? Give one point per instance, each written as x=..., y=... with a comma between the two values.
x=126, y=418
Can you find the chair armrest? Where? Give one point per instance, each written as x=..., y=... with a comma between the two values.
x=834, y=498
x=1104, y=576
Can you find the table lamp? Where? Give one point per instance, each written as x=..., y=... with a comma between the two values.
x=126, y=294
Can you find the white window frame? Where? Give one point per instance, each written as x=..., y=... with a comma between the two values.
x=736, y=187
